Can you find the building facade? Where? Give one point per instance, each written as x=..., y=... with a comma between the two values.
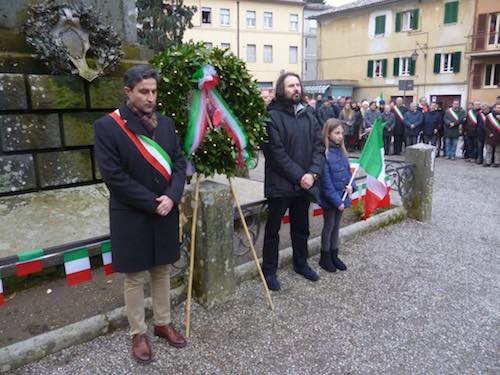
x=310, y=40
x=267, y=35
x=381, y=42
x=483, y=49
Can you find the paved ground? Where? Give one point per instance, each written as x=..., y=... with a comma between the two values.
x=417, y=299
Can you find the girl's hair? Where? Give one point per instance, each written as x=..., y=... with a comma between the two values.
x=348, y=111
x=330, y=125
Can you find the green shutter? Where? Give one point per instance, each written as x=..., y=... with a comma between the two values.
x=451, y=12
x=398, y=21
x=456, y=61
x=437, y=63
x=380, y=25
x=384, y=68
x=412, y=67
x=414, y=23
x=395, y=68
x=370, y=68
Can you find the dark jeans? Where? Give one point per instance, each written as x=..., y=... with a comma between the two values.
x=430, y=139
x=398, y=144
x=387, y=144
x=451, y=147
x=331, y=227
x=411, y=140
x=299, y=231
x=471, y=147
x=480, y=149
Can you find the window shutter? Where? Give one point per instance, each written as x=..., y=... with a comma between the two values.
x=456, y=61
x=479, y=42
x=451, y=12
x=412, y=67
x=384, y=68
x=414, y=23
x=399, y=15
x=437, y=63
x=395, y=69
x=370, y=68
x=380, y=25
x=477, y=74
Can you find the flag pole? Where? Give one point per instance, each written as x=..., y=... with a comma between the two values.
x=350, y=183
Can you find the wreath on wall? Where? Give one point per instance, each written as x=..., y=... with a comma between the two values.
x=188, y=69
x=65, y=36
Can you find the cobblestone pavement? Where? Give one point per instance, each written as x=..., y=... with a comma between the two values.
x=418, y=298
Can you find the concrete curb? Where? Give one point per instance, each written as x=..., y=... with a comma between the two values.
x=35, y=348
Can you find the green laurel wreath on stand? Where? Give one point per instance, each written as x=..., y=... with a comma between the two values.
x=217, y=153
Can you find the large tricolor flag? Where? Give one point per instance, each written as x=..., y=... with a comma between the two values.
x=372, y=161
x=77, y=266
x=107, y=259
x=29, y=262
x=2, y=299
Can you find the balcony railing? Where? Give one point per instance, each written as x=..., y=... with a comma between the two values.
x=483, y=42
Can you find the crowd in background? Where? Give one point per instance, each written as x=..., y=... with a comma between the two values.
x=473, y=131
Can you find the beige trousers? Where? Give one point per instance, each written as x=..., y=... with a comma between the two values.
x=134, y=297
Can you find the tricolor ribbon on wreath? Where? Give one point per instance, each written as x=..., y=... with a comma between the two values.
x=208, y=108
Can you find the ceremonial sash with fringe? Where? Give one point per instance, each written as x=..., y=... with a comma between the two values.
x=149, y=149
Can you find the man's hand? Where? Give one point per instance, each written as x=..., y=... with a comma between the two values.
x=348, y=188
x=307, y=181
x=452, y=124
x=435, y=131
x=165, y=206
x=341, y=207
x=412, y=126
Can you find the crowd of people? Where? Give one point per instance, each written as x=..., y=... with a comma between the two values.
x=404, y=126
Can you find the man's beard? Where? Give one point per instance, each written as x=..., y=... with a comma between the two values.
x=295, y=98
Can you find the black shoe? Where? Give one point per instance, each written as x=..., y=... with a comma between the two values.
x=336, y=261
x=326, y=263
x=272, y=281
x=307, y=272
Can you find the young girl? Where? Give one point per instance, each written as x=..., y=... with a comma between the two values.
x=334, y=182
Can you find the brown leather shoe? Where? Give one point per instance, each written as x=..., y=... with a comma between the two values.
x=141, y=350
x=173, y=337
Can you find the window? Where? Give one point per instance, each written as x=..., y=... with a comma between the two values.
x=268, y=54
x=206, y=16
x=251, y=53
x=404, y=66
x=407, y=21
x=377, y=68
x=225, y=46
x=380, y=25
x=294, y=22
x=209, y=45
x=225, y=19
x=268, y=20
x=494, y=29
x=451, y=12
x=293, y=55
x=313, y=26
x=447, y=63
x=251, y=18
x=492, y=75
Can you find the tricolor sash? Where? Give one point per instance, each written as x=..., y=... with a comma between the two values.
x=152, y=151
x=472, y=117
x=453, y=114
x=494, y=122
x=483, y=117
x=398, y=113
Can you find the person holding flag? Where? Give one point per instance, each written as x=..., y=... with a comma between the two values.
x=454, y=117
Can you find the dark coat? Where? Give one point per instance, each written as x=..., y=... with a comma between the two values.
x=140, y=238
x=452, y=126
x=413, y=118
x=481, y=126
x=492, y=135
x=335, y=177
x=352, y=126
x=294, y=148
x=325, y=113
x=389, y=120
x=399, y=129
x=469, y=129
x=432, y=121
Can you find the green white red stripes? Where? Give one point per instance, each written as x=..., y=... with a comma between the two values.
x=77, y=266
x=29, y=262
x=472, y=116
x=107, y=258
x=453, y=114
x=494, y=122
x=398, y=113
x=197, y=126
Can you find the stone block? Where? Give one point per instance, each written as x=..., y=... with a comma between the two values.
x=12, y=92
x=64, y=167
x=29, y=132
x=56, y=92
x=106, y=93
x=79, y=129
x=17, y=172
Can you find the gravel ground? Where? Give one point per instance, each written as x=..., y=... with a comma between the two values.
x=418, y=298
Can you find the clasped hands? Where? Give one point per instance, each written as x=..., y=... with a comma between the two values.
x=165, y=206
x=307, y=181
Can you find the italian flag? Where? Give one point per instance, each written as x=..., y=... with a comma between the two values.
x=360, y=193
x=372, y=161
x=29, y=262
x=107, y=259
x=379, y=98
x=2, y=299
x=77, y=266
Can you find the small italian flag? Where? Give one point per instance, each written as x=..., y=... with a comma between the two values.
x=2, y=299
x=372, y=161
x=379, y=98
x=29, y=262
x=77, y=266
x=107, y=259
x=354, y=166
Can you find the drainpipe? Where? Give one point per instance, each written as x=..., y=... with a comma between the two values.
x=238, y=29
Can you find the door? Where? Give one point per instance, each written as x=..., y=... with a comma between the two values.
x=445, y=101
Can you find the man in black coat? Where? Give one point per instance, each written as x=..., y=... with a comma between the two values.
x=294, y=156
x=140, y=161
x=432, y=123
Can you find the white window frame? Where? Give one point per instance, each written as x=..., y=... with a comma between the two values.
x=388, y=24
x=225, y=45
x=404, y=66
x=492, y=76
x=268, y=54
x=496, y=40
x=251, y=19
x=209, y=10
x=446, y=58
x=294, y=23
x=296, y=49
x=209, y=45
x=266, y=26
x=406, y=19
x=380, y=73
x=254, y=47
x=225, y=15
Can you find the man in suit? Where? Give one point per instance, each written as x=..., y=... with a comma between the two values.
x=140, y=161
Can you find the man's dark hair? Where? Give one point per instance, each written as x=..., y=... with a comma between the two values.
x=280, y=87
x=139, y=72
